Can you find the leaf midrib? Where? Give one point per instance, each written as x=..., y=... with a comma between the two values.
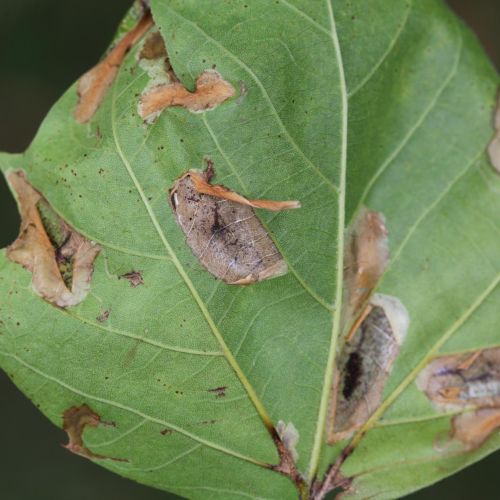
x=319, y=436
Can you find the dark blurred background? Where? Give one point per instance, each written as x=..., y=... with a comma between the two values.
x=44, y=47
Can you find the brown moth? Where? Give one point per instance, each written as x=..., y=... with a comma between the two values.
x=223, y=230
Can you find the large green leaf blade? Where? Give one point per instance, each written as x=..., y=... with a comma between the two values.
x=420, y=98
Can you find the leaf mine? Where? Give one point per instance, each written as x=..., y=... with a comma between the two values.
x=494, y=145
x=75, y=419
x=223, y=232
x=165, y=89
x=473, y=429
x=364, y=365
x=468, y=381
x=211, y=91
x=289, y=435
x=366, y=258
x=153, y=59
x=60, y=259
x=134, y=278
x=94, y=84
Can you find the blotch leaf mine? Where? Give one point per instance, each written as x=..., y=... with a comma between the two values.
x=224, y=232
x=93, y=85
x=60, y=259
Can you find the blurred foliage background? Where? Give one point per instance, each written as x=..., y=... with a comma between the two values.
x=44, y=47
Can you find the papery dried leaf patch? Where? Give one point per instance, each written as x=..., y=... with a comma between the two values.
x=364, y=365
x=474, y=428
x=366, y=258
x=153, y=59
x=494, y=146
x=134, y=278
x=469, y=382
x=94, y=84
x=60, y=259
x=289, y=436
x=75, y=420
x=202, y=185
x=211, y=91
x=225, y=235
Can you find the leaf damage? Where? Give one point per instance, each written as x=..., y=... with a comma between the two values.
x=220, y=392
x=153, y=59
x=224, y=232
x=211, y=91
x=494, y=145
x=60, y=259
x=364, y=366
x=134, y=278
x=104, y=316
x=468, y=382
x=75, y=420
x=289, y=436
x=286, y=450
x=93, y=85
x=165, y=89
x=366, y=258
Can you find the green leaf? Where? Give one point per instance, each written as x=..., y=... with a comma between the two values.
x=386, y=104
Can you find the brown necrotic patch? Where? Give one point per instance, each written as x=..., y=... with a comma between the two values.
x=75, y=420
x=364, y=366
x=60, y=259
x=225, y=235
x=94, y=84
x=468, y=382
x=366, y=258
x=134, y=278
x=165, y=89
x=211, y=91
x=153, y=47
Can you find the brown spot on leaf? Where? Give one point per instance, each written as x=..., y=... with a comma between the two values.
x=94, y=84
x=219, y=392
x=104, y=316
x=166, y=431
x=366, y=258
x=208, y=422
x=60, y=259
x=469, y=381
x=211, y=91
x=223, y=233
x=153, y=47
x=494, y=146
x=134, y=277
x=364, y=365
x=473, y=429
x=452, y=384
x=75, y=419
